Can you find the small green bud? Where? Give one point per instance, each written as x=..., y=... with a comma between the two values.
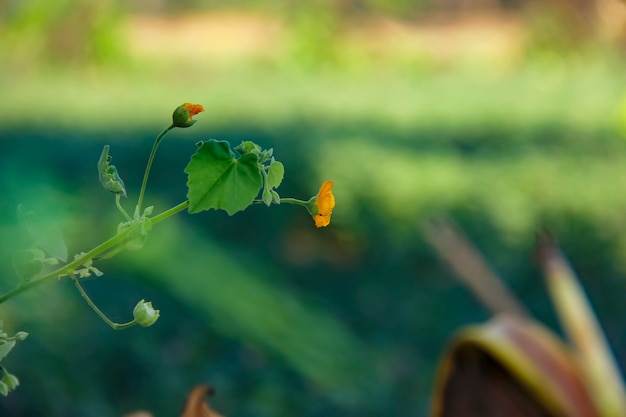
x=267, y=197
x=10, y=381
x=140, y=234
x=248, y=147
x=266, y=155
x=51, y=261
x=275, y=197
x=146, y=226
x=19, y=336
x=4, y=389
x=144, y=314
x=182, y=116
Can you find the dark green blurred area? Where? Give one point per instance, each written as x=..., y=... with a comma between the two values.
x=282, y=318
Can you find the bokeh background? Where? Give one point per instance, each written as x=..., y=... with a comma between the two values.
x=505, y=116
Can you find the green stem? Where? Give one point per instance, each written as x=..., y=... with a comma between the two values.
x=287, y=200
x=120, y=208
x=115, y=326
x=170, y=212
x=67, y=268
x=148, y=166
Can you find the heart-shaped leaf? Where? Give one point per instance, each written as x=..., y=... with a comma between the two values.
x=217, y=179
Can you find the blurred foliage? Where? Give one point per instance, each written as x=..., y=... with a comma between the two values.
x=60, y=32
x=281, y=318
x=390, y=7
x=79, y=32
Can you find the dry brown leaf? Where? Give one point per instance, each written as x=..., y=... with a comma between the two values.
x=197, y=406
x=139, y=414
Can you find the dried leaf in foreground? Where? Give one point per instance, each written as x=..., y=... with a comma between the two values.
x=197, y=406
x=139, y=414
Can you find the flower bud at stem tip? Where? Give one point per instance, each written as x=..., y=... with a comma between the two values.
x=145, y=315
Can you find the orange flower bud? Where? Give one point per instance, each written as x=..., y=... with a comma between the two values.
x=183, y=114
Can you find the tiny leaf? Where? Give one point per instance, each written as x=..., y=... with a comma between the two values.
x=219, y=180
x=28, y=263
x=45, y=233
x=275, y=197
x=109, y=177
x=247, y=147
x=275, y=174
x=5, y=347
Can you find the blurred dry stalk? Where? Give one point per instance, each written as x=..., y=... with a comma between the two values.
x=592, y=352
x=471, y=269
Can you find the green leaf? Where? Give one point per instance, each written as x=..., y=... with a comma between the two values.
x=45, y=233
x=8, y=382
x=275, y=174
x=219, y=180
x=28, y=263
x=109, y=177
x=5, y=347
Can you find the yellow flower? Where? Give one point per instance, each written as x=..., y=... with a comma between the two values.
x=324, y=205
x=183, y=114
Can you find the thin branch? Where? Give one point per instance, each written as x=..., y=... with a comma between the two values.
x=115, y=326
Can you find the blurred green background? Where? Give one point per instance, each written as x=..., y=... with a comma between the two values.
x=505, y=116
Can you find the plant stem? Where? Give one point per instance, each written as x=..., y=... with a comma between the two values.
x=67, y=268
x=148, y=166
x=120, y=208
x=115, y=326
x=109, y=244
x=287, y=200
x=170, y=212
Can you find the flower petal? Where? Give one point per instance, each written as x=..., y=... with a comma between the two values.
x=325, y=203
x=193, y=108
